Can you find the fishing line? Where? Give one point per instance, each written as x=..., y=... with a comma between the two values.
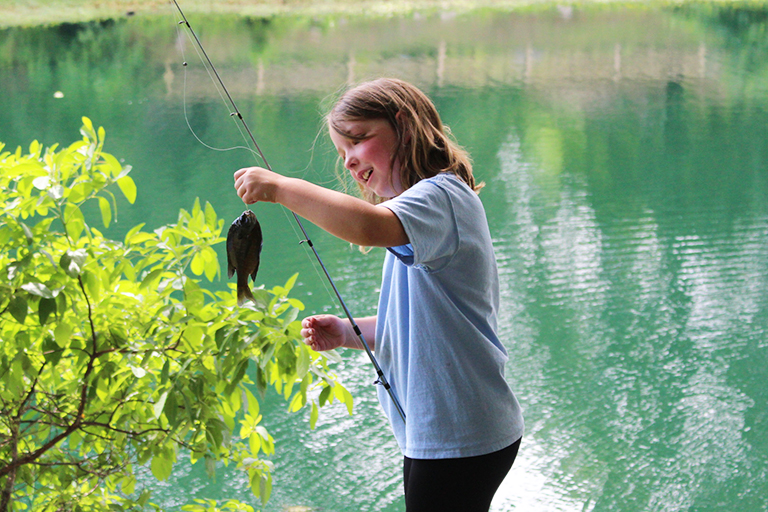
x=184, y=100
x=321, y=280
x=218, y=89
x=235, y=113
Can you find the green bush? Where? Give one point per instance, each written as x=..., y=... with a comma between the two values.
x=112, y=355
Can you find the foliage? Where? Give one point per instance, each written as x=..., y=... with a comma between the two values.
x=112, y=356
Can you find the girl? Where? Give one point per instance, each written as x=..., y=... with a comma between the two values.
x=435, y=331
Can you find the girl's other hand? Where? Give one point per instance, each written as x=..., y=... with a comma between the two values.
x=324, y=332
x=254, y=184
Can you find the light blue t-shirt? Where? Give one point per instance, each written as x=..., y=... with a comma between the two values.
x=436, y=329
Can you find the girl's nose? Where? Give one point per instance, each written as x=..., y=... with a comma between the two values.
x=350, y=161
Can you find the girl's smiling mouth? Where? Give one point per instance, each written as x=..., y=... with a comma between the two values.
x=368, y=156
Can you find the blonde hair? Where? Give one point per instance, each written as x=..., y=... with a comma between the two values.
x=425, y=146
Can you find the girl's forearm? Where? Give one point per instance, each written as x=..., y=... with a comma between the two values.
x=344, y=216
x=367, y=327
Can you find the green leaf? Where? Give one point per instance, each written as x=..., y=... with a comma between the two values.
x=72, y=262
x=298, y=401
x=41, y=182
x=333, y=356
x=160, y=405
x=314, y=415
x=27, y=233
x=46, y=308
x=198, y=264
x=253, y=404
x=112, y=165
x=80, y=192
x=150, y=281
x=74, y=440
x=165, y=372
x=62, y=334
x=302, y=364
x=56, y=192
x=38, y=289
x=128, y=484
x=88, y=126
x=135, y=229
x=348, y=400
x=171, y=409
x=239, y=374
x=296, y=303
x=266, y=488
x=106, y=211
x=292, y=315
x=18, y=308
x=128, y=188
x=51, y=351
x=74, y=221
x=261, y=381
x=325, y=395
x=291, y=281
x=211, y=263
x=144, y=497
x=194, y=335
x=261, y=298
x=161, y=466
x=254, y=443
x=210, y=216
x=92, y=285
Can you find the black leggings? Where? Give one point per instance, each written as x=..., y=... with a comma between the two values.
x=461, y=485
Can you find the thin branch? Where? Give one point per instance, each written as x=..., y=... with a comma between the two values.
x=10, y=468
x=19, y=412
x=131, y=433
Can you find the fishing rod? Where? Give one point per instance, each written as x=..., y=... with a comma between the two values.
x=381, y=379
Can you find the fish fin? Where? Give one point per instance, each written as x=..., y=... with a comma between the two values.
x=243, y=291
x=255, y=270
x=230, y=264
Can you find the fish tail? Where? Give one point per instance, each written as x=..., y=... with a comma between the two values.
x=243, y=292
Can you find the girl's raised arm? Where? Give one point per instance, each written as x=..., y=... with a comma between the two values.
x=343, y=216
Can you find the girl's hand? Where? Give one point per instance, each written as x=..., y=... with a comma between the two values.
x=254, y=184
x=324, y=332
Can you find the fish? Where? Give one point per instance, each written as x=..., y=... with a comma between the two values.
x=244, y=242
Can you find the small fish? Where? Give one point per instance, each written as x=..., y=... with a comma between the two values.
x=243, y=251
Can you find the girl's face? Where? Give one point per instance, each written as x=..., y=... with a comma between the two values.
x=368, y=156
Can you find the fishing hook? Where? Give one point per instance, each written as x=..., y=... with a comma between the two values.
x=381, y=379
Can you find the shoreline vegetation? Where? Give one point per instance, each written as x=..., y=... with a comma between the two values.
x=20, y=13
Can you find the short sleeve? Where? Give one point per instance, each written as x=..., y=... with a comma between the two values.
x=427, y=215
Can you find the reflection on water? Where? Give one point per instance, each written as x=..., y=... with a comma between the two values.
x=625, y=153
x=630, y=326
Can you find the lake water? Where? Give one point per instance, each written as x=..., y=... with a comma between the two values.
x=625, y=156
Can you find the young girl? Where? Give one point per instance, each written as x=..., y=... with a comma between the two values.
x=435, y=331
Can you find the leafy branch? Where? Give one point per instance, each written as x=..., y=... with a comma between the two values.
x=157, y=363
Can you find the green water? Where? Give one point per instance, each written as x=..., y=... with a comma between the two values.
x=625, y=156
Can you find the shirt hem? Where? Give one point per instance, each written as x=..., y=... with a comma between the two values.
x=459, y=453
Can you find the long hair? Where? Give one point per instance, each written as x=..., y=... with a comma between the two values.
x=425, y=146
